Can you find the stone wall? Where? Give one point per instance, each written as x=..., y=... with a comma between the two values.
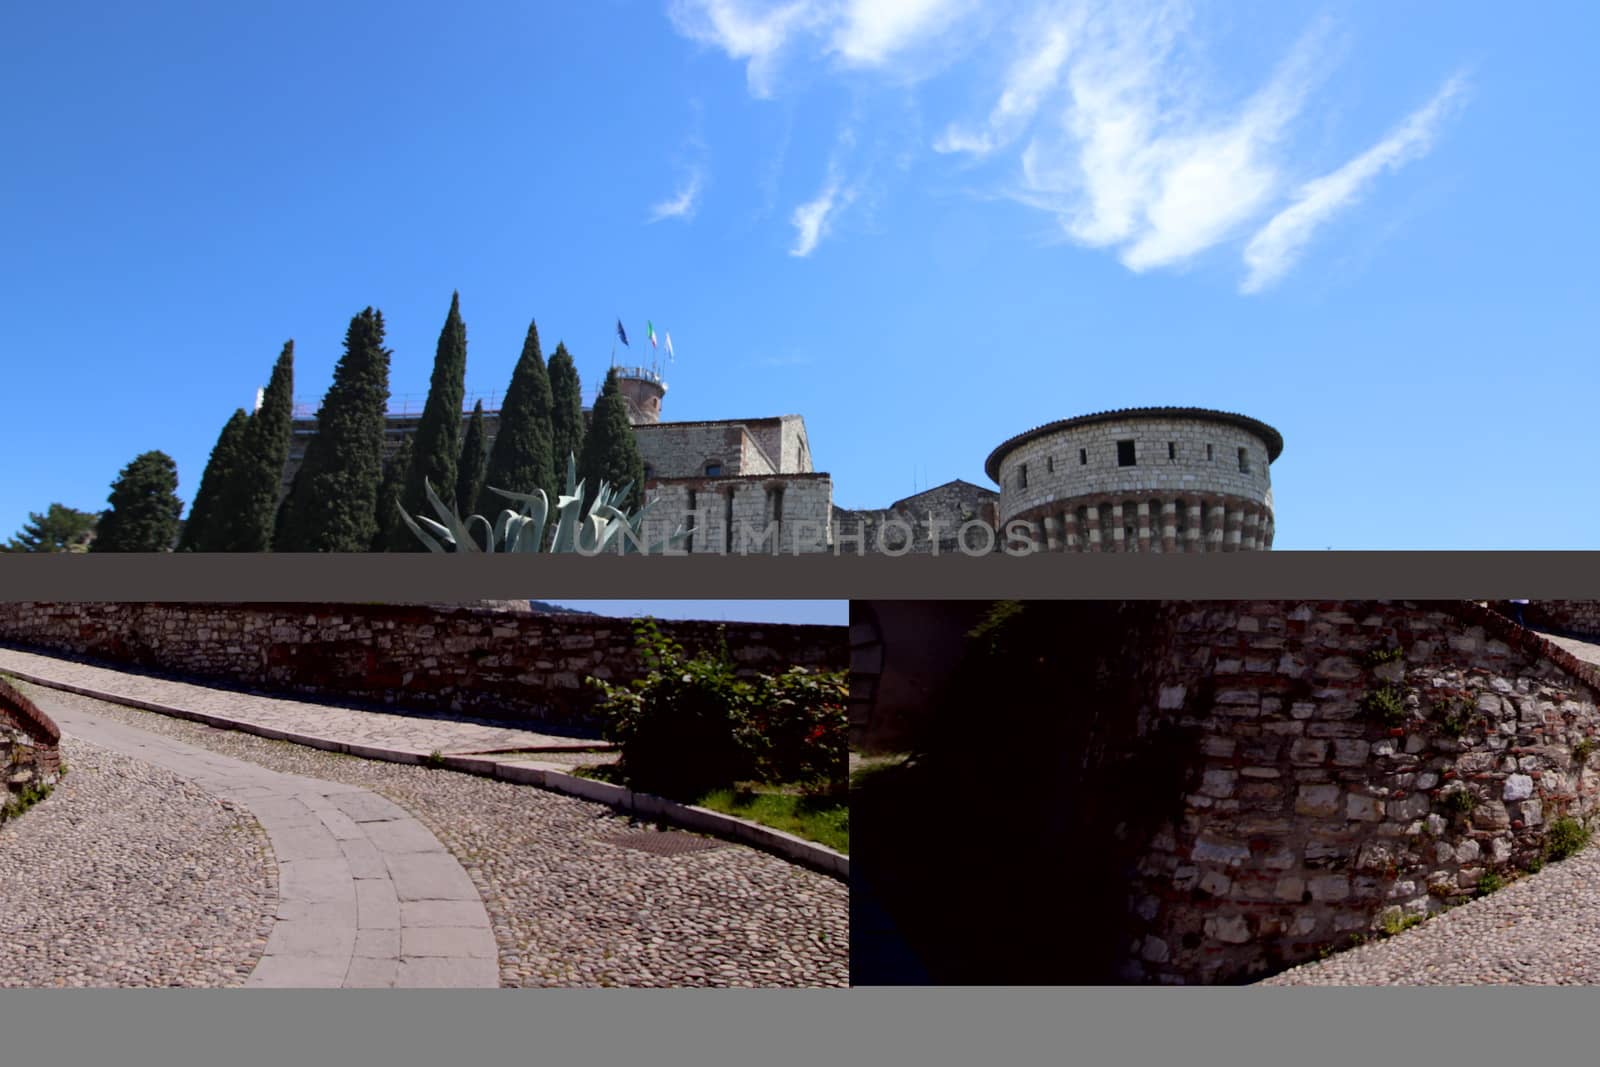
x=498, y=665
x=868, y=532
x=1581, y=617
x=30, y=752
x=1311, y=814
x=799, y=507
x=1173, y=456
x=1260, y=781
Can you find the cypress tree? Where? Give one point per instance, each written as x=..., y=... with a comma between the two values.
x=144, y=511
x=252, y=497
x=438, y=438
x=332, y=505
x=206, y=528
x=394, y=480
x=566, y=412
x=523, y=457
x=474, y=461
x=610, y=452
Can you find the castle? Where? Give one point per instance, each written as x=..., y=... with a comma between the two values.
x=1159, y=479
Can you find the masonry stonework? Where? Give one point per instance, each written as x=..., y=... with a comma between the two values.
x=479, y=661
x=30, y=746
x=1259, y=782
x=1141, y=480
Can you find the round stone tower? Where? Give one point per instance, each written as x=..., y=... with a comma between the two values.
x=644, y=390
x=1141, y=480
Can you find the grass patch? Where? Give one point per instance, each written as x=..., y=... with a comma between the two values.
x=823, y=819
x=1490, y=882
x=21, y=801
x=1565, y=836
x=1395, y=923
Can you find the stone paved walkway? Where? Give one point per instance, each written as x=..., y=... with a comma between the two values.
x=419, y=732
x=570, y=901
x=367, y=896
x=144, y=879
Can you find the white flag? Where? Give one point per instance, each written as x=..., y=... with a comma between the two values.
x=669, y=346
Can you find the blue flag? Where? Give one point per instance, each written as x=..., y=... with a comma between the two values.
x=621, y=333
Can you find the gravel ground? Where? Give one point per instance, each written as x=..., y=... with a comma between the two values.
x=1540, y=930
x=569, y=909
x=127, y=875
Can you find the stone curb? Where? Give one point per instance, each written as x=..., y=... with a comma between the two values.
x=543, y=775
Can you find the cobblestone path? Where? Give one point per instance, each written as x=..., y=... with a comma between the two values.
x=130, y=875
x=571, y=899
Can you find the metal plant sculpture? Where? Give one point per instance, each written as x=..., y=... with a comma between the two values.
x=523, y=529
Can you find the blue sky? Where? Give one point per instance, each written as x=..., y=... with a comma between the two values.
x=925, y=225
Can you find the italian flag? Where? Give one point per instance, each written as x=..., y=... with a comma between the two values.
x=650, y=331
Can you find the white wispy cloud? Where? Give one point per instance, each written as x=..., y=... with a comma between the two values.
x=811, y=219
x=868, y=33
x=1137, y=162
x=682, y=204
x=1033, y=73
x=1109, y=115
x=1276, y=247
x=753, y=32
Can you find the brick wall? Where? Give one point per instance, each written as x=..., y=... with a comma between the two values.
x=30, y=753
x=500, y=665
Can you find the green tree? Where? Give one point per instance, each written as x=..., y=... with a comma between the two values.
x=523, y=457
x=206, y=528
x=332, y=504
x=610, y=452
x=251, y=499
x=474, y=461
x=438, y=438
x=394, y=480
x=144, y=511
x=59, y=529
x=566, y=411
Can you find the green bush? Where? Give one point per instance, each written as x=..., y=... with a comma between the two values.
x=1564, y=836
x=800, y=727
x=691, y=724
x=681, y=728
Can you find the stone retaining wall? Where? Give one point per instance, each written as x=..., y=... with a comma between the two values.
x=1206, y=792
x=475, y=660
x=1310, y=815
x=1580, y=617
x=30, y=752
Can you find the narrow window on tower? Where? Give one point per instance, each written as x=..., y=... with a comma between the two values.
x=1083, y=457
x=1244, y=460
x=1172, y=450
x=1022, y=476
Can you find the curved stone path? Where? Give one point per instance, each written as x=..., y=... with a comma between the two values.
x=130, y=875
x=367, y=896
x=570, y=900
